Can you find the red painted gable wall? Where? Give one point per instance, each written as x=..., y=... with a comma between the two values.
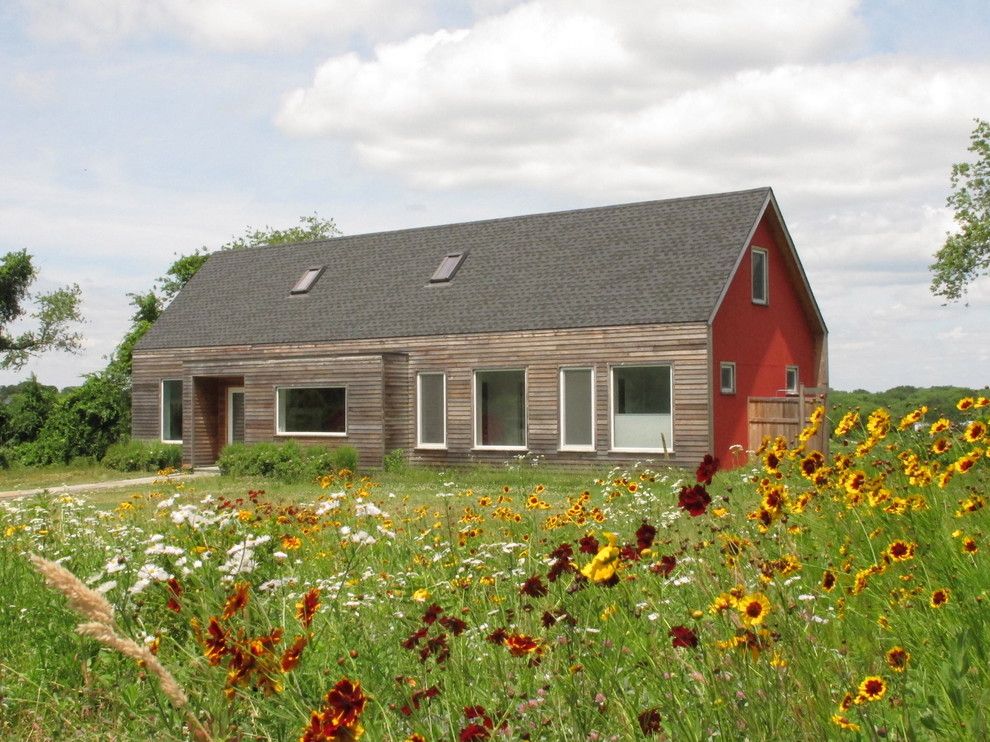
x=762, y=340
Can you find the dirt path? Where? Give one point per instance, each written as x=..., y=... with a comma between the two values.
x=112, y=484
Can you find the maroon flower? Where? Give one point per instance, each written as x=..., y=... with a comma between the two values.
x=455, y=625
x=706, y=469
x=649, y=722
x=589, y=545
x=682, y=636
x=473, y=732
x=694, y=499
x=645, y=535
x=533, y=587
x=432, y=614
x=665, y=566
x=629, y=553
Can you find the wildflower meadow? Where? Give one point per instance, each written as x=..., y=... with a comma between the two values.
x=808, y=595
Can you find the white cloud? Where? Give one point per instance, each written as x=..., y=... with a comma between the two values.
x=222, y=24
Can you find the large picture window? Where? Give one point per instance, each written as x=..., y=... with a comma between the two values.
x=577, y=409
x=641, y=409
x=500, y=409
x=312, y=410
x=431, y=410
x=172, y=411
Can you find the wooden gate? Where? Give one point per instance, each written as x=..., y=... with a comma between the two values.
x=786, y=416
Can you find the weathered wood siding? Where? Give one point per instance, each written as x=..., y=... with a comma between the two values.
x=381, y=379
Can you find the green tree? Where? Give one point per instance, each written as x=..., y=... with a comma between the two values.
x=27, y=411
x=965, y=256
x=309, y=228
x=54, y=313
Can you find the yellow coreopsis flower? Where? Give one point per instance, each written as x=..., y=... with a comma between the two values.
x=602, y=567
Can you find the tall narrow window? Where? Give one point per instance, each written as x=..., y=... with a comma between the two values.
x=431, y=420
x=727, y=372
x=792, y=379
x=761, y=290
x=641, y=409
x=500, y=409
x=577, y=409
x=312, y=410
x=172, y=411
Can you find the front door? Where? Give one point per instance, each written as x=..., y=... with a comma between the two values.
x=235, y=415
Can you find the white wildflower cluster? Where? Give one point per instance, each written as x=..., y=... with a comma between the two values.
x=357, y=537
x=148, y=574
x=240, y=557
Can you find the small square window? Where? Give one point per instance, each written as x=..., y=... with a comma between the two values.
x=792, y=380
x=727, y=375
x=761, y=289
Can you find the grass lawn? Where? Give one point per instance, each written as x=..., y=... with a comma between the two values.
x=807, y=597
x=37, y=477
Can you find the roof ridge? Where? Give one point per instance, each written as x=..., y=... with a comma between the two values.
x=498, y=219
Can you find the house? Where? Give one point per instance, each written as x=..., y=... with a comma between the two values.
x=606, y=334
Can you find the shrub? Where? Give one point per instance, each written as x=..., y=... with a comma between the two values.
x=285, y=462
x=5, y=458
x=345, y=457
x=395, y=461
x=143, y=456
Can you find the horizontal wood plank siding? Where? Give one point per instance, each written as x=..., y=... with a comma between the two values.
x=381, y=380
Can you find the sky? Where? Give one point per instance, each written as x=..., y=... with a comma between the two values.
x=135, y=131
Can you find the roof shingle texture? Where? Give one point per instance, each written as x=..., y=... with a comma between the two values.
x=641, y=263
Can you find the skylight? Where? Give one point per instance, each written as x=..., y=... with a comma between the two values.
x=304, y=284
x=448, y=267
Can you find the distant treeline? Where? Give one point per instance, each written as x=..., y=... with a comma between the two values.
x=900, y=400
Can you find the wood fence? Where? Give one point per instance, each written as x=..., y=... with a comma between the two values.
x=786, y=416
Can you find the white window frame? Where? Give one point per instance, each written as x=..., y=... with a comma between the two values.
x=303, y=434
x=766, y=275
x=723, y=366
x=611, y=408
x=161, y=410
x=788, y=388
x=419, y=411
x=563, y=445
x=474, y=411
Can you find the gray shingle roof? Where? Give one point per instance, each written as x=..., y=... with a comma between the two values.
x=649, y=262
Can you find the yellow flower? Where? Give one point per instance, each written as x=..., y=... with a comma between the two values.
x=843, y=723
x=939, y=425
x=753, y=608
x=940, y=597
x=847, y=423
x=976, y=431
x=872, y=688
x=421, y=595
x=602, y=567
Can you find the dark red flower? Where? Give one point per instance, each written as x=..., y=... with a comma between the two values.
x=174, y=593
x=694, y=499
x=665, y=566
x=345, y=702
x=497, y=636
x=589, y=545
x=706, y=469
x=645, y=535
x=649, y=722
x=473, y=732
x=629, y=553
x=413, y=639
x=682, y=636
x=455, y=625
x=432, y=614
x=533, y=587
